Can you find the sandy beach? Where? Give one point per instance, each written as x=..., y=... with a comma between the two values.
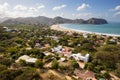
x=61, y=28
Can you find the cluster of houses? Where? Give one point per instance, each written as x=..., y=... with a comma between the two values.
x=58, y=50
x=10, y=30
x=68, y=53
x=7, y=29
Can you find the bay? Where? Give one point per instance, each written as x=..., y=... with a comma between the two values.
x=110, y=28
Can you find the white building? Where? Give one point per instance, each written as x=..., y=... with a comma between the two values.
x=27, y=59
x=79, y=57
x=31, y=60
x=85, y=35
x=37, y=45
x=57, y=49
x=7, y=29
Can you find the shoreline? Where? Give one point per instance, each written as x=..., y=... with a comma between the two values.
x=58, y=27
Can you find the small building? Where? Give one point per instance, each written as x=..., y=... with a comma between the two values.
x=7, y=29
x=27, y=59
x=57, y=49
x=46, y=53
x=112, y=40
x=79, y=45
x=28, y=48
x=62, y=51
x=31, y=60
x=79, y=57
x=85, y=35
x=37, y=45
x=62, y=60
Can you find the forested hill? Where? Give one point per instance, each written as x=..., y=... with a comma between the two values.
x=49, y=21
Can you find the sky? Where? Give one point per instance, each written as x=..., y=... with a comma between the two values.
x=73, y=9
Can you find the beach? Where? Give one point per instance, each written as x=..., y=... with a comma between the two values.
x=61, y=28
x=58, y=27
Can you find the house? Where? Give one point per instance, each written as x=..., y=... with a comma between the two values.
x=28, y=48
x=57, y=49
x=7, y=29
x=79, y=57
x=84, y=74
x=46, y=53
x=37, y=45
x=27, y=59
x=62, y=60
x=46, y=45
x=31, y=60
x=85, y=35
x=62, y=51
x=112, y=40
x=79, y=45
x=54, y=37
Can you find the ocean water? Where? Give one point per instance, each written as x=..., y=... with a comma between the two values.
x=110, y=28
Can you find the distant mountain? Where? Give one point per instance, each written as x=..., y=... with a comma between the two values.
x=4, y=19
x=96, y=21
x=50, y=21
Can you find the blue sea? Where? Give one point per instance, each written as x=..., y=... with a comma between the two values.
x=110, y=28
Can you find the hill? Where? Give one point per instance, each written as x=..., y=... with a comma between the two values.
x=50, y=21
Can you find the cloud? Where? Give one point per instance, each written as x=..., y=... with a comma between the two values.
x=59, y=7
x=83, y=7
x=117, y=8
x=6, y=10
x=41, y=6
x=20, y=7
x=32, y=9
x=3, y=9
x=117, y=14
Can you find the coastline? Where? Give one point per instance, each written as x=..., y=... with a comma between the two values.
x=58, y=27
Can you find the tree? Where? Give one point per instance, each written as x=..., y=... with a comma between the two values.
x=108, y=56
x=9, y=74
x=39, y=64
x=12, y=50
x=22, y=62
x=2, y=49
x=89, y=66
x=106, y=75
x=55, y=64
x=88, y=47
x=6, y=61
x=2, y=67
x=74, y=64
x=18, y=40
x=117, y=71
x=28, y=75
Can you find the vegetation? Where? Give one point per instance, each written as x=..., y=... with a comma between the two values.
x=39, y=64
x=104, y=54
x=55, y=64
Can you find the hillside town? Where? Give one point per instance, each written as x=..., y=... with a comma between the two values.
x=46, y=54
